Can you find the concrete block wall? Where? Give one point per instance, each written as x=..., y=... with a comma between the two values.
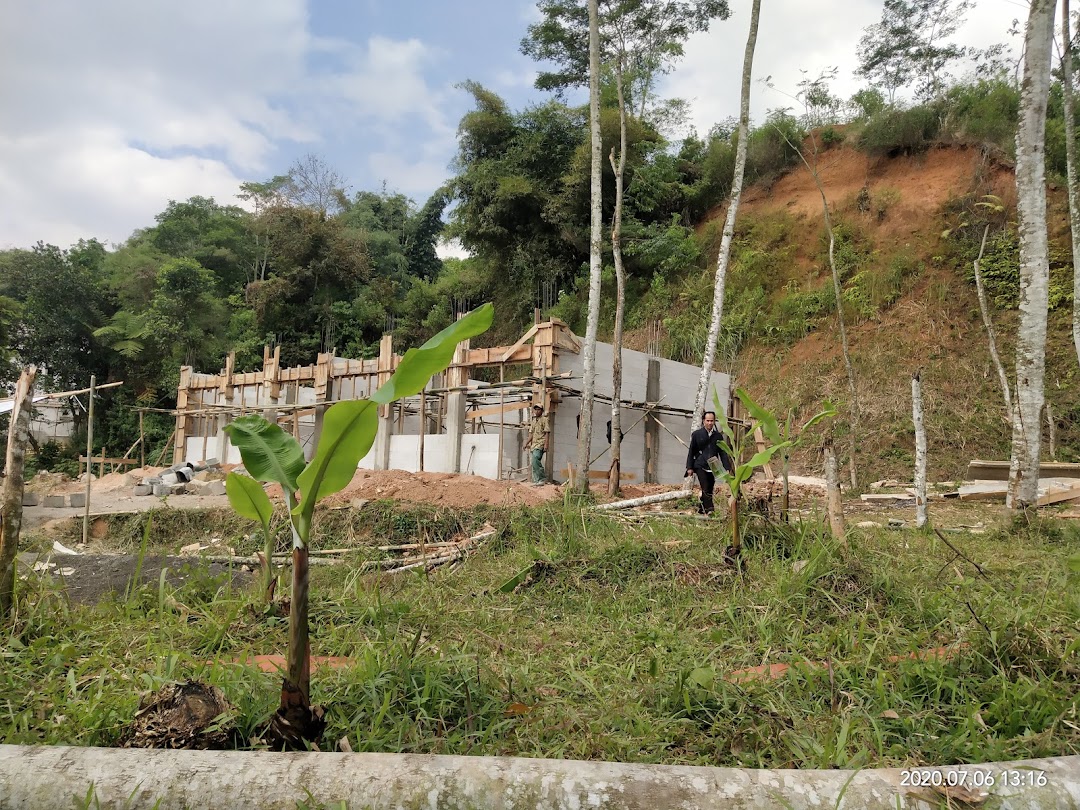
x=678, y=387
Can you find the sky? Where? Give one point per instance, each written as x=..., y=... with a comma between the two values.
x=110, y=109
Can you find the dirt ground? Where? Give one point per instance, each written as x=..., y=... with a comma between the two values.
x=88, y=578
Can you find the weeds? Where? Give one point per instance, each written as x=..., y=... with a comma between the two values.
x=625, y=647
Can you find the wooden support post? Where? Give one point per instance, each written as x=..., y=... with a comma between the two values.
x=324, y=392
x=457, y=378
x=385, y=426
x=180, y=445
x=502, y=417
x=12, y=488
x=652, y=426
x=423, y=428
x=142, y=442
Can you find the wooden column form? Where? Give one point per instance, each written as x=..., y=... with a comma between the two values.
x=180, y=443
x=457, y=378
x=323, y=393
x=385, y=427
x=502, y=417
x=652, y=426
x=423, y=428
x=546, y=364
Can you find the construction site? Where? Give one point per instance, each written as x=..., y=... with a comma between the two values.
x=470, y=419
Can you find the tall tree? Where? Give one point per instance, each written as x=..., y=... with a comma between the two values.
x=638, y=40
x=909, y=44
x=1070, y=163
x=596, y=232
x=1034, y=256
x=729, y=223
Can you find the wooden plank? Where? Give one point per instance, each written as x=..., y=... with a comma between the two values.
x=1058, y=491
x=521, y=342
x=979, y=470
x=125, y=462
x=495, y=410
x=58, y=394
x=984, y=490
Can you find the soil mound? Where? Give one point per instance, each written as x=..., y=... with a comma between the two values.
x=444, y=489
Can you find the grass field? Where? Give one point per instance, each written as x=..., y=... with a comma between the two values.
x=623, y=642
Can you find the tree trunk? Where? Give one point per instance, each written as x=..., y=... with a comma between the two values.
x=588, y=382
x=620, y=292
x=1070, y=163
x=833, y=502
x=729, y=222
x=920, y=450
x=984, y=308
x=11, y=502
x=1034, y=255
x=838, y=292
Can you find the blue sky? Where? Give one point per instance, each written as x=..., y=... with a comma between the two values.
x=113, y=107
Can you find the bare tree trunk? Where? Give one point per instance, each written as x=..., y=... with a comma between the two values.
x=920, y=450
x=838, y=292
x=620, y=292
x=729, y=222
x=984, y=308
x=588, y=382
x=1070, y=163
x=11, y=501
x=834, y=504
x=1034, y=256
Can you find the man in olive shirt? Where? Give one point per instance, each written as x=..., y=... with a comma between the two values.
x=538, y=431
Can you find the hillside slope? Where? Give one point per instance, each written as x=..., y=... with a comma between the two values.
x=916, y=307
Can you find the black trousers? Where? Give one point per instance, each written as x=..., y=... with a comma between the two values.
x=707, y=481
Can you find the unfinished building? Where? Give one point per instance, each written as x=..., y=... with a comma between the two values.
x=461, y=423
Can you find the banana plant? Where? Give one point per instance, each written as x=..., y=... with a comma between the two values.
x=273, y=456
x=777, y=439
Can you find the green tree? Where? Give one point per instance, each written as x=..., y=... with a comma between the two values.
x=908, y=45
x=61, y=301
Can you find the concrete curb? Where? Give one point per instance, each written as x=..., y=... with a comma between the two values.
x=32, y=777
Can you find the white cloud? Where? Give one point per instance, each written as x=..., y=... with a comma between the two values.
x=415, y=178
x=100, y=187
x=451, y=249
x=121, y=105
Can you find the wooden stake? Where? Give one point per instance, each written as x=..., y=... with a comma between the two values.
x=920, y=450
x=142, y=442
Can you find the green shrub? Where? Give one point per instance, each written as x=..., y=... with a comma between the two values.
x=830, y=137
x=772, y=149
x=896, y=131
x=985, y=111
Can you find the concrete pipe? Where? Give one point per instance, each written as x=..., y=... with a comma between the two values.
x=56, y=776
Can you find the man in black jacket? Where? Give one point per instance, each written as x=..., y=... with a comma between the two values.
x=703, y=447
